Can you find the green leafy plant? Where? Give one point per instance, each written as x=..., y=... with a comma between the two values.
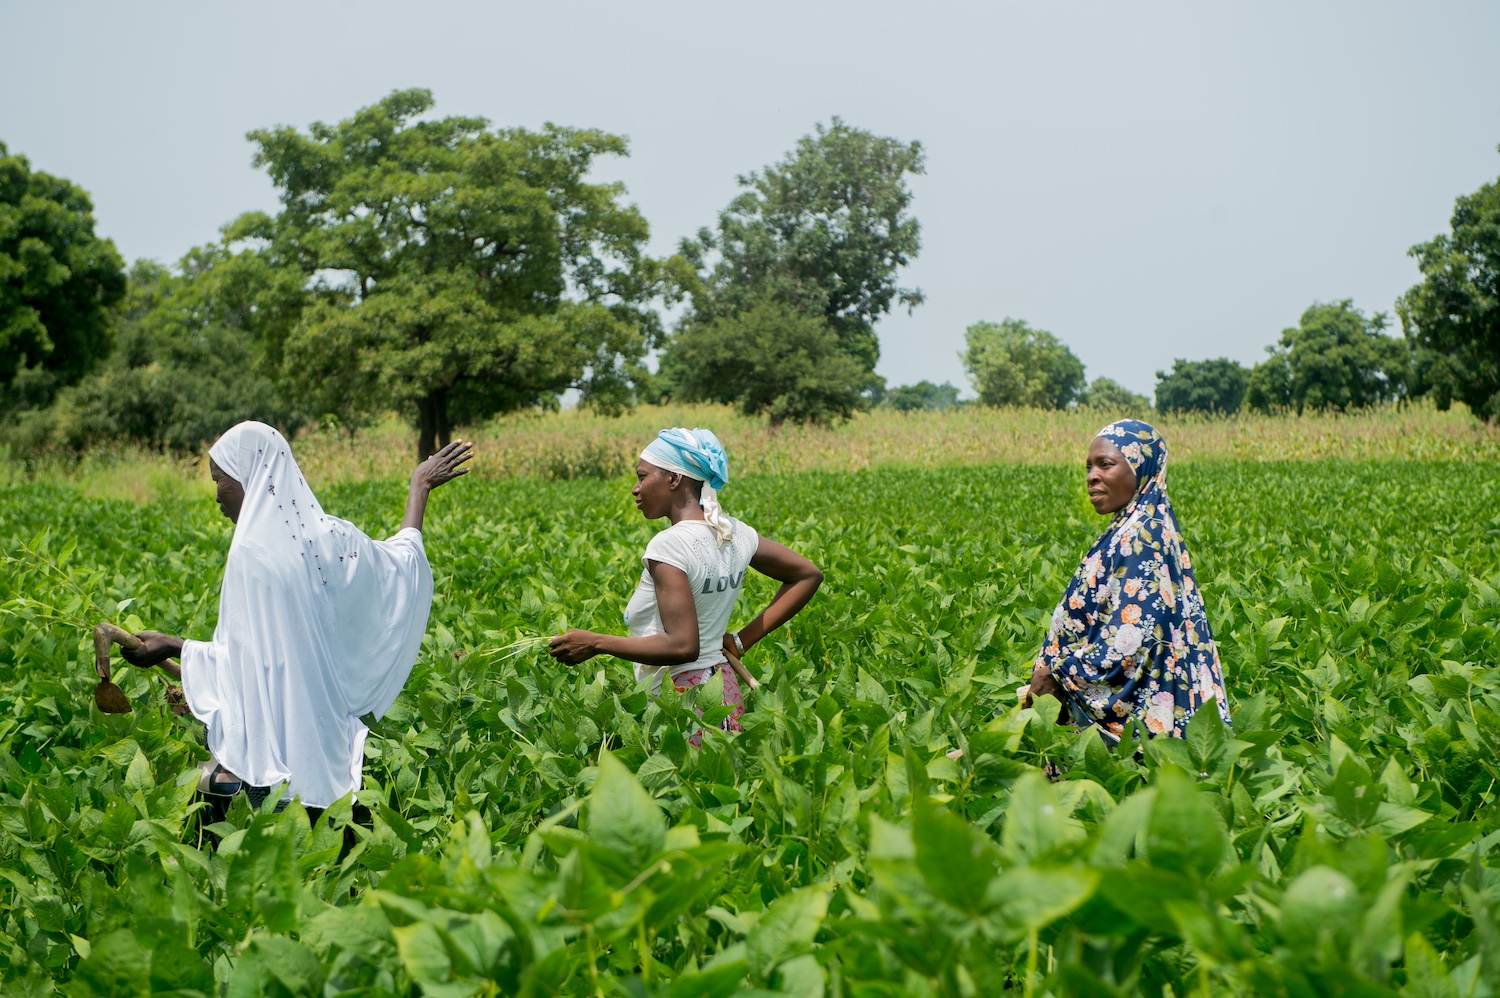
x=543, y=830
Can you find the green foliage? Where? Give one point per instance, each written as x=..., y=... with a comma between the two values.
x=461, y=271
x=823, y=232
x=545, y=830
x=1015, y=365
x=922, y=396
x=57, y=281
x=1335, y=358
x=1109, y=396
x=1212, y=386
x=196, y=352
x=773, y=360
x=1455, y=311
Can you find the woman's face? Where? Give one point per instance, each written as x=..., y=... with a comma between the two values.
x=230, y=493
x=1110, y=478
x=653, y=490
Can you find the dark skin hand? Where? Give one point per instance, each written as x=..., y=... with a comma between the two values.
x=439, y=469
x=661, y=493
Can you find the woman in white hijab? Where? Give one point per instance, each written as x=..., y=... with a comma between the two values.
x=318, y=627
x=678, y=617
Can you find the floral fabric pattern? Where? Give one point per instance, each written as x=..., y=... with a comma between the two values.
x=1130, y=637
x=732, y=697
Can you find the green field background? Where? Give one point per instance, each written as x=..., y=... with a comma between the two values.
x=1339, y=840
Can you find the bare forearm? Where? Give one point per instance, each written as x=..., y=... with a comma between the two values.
x=789, y=599
x=658, y=649
x=416, y=506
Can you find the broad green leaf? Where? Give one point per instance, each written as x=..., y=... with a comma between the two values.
x=622, y=816
x=786, y=929
x=1184, y=833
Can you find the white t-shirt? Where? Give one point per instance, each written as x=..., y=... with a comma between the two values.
x=716, y=573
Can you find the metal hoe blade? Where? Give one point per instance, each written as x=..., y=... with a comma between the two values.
x=109, y=698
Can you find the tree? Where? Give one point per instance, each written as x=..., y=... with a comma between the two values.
x=57, y=282
x=1455, y=311
x=824, y=232
x=1012, y=364
x=195, y=353
x=771, y=359
x=1335, y=358
x=924, y=395
x=1108, y=394
x=1214, y=386
x=458, y=271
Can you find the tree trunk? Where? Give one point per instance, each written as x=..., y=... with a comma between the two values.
x=432, y=422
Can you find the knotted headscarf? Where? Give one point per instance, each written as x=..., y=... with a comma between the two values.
x=1130, y=636
x=698, y=455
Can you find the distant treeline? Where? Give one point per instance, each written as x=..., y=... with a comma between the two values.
x=453, y=271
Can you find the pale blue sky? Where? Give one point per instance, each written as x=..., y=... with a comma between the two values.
x=1147, y=181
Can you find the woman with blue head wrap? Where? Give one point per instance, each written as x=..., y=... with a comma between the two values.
x=678, y=616
x=1130, y=637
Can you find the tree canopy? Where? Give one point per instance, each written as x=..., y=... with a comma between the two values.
x=1107, y=394
x=57, y=282
x=1213, y=386
x=458, y=270
x=1334, y=358
x=1455, y=311
x=1012, y=364
x=824, y=231
x=770, y=359
x=924, y=395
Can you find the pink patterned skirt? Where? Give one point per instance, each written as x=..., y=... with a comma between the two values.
x=732, y=696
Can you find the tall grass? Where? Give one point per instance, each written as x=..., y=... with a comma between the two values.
x=582, y=444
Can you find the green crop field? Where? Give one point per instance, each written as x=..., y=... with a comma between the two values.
x=540, y=830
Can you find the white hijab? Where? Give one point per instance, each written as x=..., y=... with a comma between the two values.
x=318, y=626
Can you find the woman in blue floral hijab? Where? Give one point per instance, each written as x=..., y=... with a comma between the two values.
x=1130, y=638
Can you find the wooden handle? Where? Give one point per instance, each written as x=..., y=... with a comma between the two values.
x=740, y=670
x=105, y=635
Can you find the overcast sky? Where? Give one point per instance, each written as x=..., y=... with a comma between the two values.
x=1147, y=181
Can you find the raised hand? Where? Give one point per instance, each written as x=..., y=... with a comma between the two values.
x=439, y=469
x=444, y=466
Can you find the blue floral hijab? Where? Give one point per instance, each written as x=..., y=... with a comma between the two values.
x=1130, y=638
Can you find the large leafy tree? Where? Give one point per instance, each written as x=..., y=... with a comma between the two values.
x=1215, y=386
x=1012, y=364
x=924, y=395
x=197, y=349
x=459, y=270
x=770, y=359
x=1108, y=395
x=824, y=231
x=1334, y=358
x=1455, y=311
x=57, y=282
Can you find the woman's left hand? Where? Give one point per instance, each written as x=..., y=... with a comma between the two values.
x=574, y=647
x=443, y=467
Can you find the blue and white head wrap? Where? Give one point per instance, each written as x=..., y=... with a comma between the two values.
x=696, y=454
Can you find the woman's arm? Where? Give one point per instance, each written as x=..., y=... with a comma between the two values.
x=799, y=580
x=155, y=649
x=675, y=645
x=438, y=469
